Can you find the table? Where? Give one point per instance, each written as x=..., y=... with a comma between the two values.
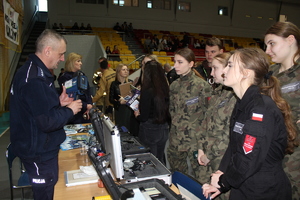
x=71, y=160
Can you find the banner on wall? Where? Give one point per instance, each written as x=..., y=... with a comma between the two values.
x=11, y=23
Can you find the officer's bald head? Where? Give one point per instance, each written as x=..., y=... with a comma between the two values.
x=48, y=38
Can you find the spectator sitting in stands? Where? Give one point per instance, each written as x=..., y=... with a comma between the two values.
x=152, y=46
x=163, y=39
x=82, y=27
x=202, y=44
x=186, y=40
x=171, y=45
x=161, y=46
x=176, y=42
x=147, y=43
x=61, y=26
x=156, y=39
x=124, y=27
x=117, y=52
x=108, y=52
x=55, y=26
x=130, y=30
x=89, y=27
x=75, y=26
x=117, y=27
x=197, y=44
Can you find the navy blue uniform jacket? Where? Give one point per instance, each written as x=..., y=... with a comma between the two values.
x=36, y=116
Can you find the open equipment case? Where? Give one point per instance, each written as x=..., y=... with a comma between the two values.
x=149, y=189
x=138, y=166
x=129, y=143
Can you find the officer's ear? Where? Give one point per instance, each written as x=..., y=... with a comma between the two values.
x=47, y=50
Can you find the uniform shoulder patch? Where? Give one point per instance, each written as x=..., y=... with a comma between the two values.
x=249, y=143
x=257, y=117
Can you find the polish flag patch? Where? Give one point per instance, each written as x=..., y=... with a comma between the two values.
x=249, y=144
x=257, y=117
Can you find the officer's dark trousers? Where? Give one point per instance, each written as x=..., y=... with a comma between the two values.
x=43, y=177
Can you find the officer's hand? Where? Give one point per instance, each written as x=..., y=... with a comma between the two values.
x=75, y=106
x=136, y=113
x=64, y=98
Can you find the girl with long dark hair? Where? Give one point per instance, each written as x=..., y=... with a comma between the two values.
x=153, y=112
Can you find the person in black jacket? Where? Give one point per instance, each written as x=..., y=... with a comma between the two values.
x=153, y=112
x=261, y=133
x=170, y=73
x=213, y=47
x=122, y=113
x=73, y=69
x=38, y=114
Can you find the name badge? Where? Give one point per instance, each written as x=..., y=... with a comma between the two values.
x=192, y=101
x=238, y=127
x=222, y=104
x=291, y=87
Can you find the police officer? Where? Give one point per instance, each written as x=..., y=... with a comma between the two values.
x=38, y=114
x=260, y=133
x=188, y=103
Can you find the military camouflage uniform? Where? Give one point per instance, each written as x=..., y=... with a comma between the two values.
x=188, y=104
x=214, y=134
x=290, y=88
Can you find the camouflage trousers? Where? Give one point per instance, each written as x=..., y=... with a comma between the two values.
x=291, y=165
x=178, y=161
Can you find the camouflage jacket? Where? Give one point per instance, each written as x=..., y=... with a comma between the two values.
x=290, y=87
x=214, y=134
x=188, y=104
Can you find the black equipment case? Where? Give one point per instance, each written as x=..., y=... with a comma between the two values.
x=125, y=191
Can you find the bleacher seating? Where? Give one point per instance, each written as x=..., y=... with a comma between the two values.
x=109, y=37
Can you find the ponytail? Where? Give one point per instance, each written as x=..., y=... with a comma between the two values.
x=272, y=89
x=197, y=73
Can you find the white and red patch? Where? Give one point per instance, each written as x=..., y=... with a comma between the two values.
x=257, y=117
x=249, y=144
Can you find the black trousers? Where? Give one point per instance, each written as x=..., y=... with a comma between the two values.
x=155, y=137
x=43, y=177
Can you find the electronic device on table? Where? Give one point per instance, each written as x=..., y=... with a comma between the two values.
x=134, y=167
x=129, y=143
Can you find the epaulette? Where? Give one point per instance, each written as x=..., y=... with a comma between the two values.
x=34, y=71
